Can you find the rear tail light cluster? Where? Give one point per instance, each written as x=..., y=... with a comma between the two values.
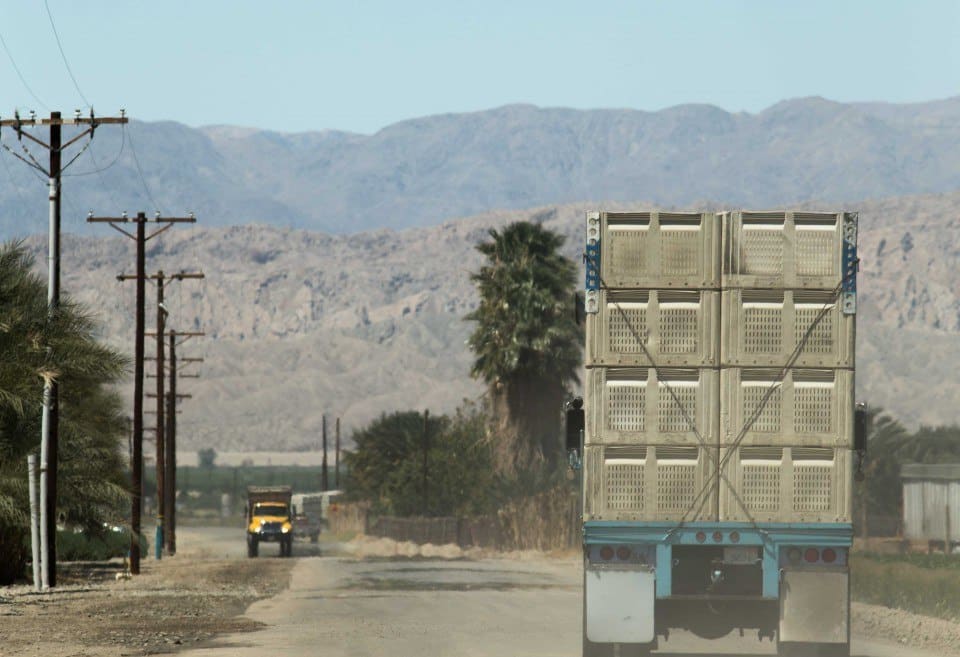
x=796, y=556
x=733, y=537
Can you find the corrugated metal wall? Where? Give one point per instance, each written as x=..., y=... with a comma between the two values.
x=925, y=509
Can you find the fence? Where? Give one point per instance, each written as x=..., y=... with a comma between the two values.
x=547, y=521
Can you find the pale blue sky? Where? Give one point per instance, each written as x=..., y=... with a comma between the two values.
x=296, y=65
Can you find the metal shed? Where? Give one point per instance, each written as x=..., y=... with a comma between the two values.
x=931, y=502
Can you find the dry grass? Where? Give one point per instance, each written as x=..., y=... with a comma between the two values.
x=924, y=584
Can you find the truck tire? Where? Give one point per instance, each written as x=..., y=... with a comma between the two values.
x=253, y=547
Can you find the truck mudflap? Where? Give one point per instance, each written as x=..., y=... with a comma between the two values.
x=815, y=606
x=619, y=605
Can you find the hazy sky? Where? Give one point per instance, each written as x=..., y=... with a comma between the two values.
x=305, y=65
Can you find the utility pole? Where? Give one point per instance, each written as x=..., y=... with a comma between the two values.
x=426, y=451
x=170, y=455
x=336, y=463
x=323, y=473
x=162, y=493
x=136, y=467
x=171, y=447
x=50, y=420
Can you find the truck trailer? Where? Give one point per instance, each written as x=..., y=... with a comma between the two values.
x=718, y=433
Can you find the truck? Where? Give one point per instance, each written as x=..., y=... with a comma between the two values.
x=308, y=515
x=718, y=432
x=268, y=518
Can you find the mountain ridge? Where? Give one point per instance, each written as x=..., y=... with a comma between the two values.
x=421, y=171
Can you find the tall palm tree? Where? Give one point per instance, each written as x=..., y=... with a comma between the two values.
x=64, y=348
x=526, y=343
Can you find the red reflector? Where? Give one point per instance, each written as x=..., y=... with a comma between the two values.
x=623, y=553
x=829, y=555
x=717, y=537
x=606, y=553
x=735, y=537
x=811, y=555
x=701, y=537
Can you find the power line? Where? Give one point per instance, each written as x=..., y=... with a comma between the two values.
x=19, y=74
x=143, y=180
x=63, y=54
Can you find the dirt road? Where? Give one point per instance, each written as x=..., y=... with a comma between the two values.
x=193, y=605
x=339, y=606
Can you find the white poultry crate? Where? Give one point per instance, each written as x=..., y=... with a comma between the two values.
x=785, y=249
x=808, y=407
x=677, y=327
x=646, y=482
x=636, y=406
x=658, y=249
x=786, y=484
x=764, y=327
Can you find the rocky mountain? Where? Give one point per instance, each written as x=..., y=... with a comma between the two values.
x=300, y=323
x=423, y=171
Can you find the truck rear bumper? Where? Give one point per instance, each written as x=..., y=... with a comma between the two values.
x=769, y=538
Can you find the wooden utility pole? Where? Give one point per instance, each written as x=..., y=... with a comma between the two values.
x=170, y=452
x=141, y=238
x=323, y=473
x=426, y=451
x=50, y=421
x=336, y=463
x=170, y=461
x=162, y=492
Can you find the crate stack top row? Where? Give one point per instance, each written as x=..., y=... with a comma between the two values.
x=692, y=317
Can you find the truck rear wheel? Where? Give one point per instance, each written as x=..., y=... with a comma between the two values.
x=253, y=547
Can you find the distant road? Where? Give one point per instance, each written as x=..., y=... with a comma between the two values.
x=341, y=607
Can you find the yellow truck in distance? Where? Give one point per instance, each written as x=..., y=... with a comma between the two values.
x=268, y=518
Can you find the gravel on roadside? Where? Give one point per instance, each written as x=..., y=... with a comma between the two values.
x=182, y=601
x=906, y=628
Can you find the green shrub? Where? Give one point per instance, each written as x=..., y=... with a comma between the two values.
x=81, y=546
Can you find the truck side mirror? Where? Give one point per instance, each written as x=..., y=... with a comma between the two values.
x=575, y=423
x=860, y=428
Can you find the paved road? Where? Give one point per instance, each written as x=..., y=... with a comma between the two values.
x=339, y=606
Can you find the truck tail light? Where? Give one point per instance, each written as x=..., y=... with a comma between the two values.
x=623, y=553
x=829, y=555
x=606, y=553
x=701, y=537
x=735, y=537
x=812, y=555
x=793, y=555
x=717, y=537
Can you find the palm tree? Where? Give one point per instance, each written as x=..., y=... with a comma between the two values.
x=880, y=491
x=526, y=343
x=63, y=348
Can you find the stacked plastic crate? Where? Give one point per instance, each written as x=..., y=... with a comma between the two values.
x=786, y=366
x=653, y=357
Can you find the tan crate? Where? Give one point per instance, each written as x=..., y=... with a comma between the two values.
x=785, y=249
x=809, y=407
x=678, y=327
x=786, y=484
x=658, y=249
x=636, y=406
x=763, y=328
x=646, y=482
